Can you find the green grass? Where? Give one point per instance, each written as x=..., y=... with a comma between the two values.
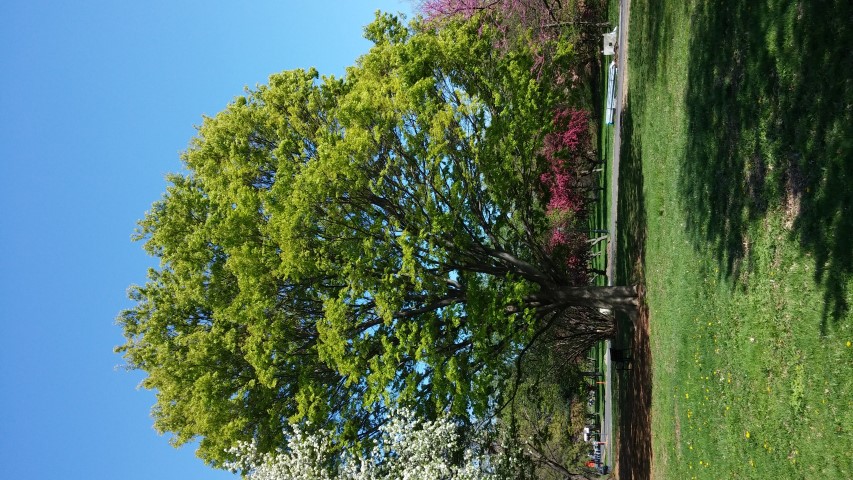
x=735, y=208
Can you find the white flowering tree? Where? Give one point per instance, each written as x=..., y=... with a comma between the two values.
x=407, y=448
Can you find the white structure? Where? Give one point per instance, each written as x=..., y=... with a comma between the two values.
x=610, y=108
x=609, y=43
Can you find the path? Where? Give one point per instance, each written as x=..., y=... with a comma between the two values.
x=622, y=69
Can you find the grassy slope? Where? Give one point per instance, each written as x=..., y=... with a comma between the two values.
x=739, y=168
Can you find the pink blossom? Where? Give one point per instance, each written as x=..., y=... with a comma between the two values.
x=565, y=149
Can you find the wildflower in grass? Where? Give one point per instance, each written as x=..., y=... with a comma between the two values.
x=849, y=343
x=747, y=434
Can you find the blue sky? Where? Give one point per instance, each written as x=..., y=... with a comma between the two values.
x=97, y=99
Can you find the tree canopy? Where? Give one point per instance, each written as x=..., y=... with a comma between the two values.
x=339, y=246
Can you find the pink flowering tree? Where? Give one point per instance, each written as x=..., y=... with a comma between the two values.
x=569, y=187
x=539, y=22
x=540, y=14
x=514, y=21
x=565, y=36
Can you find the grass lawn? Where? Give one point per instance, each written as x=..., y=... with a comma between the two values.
x=736, y=208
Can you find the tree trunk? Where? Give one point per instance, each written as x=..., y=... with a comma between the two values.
x=612, y=298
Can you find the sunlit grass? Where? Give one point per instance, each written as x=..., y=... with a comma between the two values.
x=741, y=136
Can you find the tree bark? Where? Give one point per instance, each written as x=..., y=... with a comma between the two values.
x=614, y=298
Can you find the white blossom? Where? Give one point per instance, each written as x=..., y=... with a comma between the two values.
x=407, y=449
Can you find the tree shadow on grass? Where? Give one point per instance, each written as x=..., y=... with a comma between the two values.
x=634, y=385
x=635, y=401
x=652, y=26
x=770, y=112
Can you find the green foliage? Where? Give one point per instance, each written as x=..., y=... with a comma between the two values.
x=217, y=327
x=548, y=412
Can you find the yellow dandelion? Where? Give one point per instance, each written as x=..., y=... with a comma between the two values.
x=747, y=435
x=849, y=343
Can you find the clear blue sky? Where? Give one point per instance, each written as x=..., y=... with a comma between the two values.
x=97, y=99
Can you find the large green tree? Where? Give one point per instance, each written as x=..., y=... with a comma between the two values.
x=339, y=246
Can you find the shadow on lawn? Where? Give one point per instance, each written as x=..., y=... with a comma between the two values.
x=770, y=112
x=634, y=386
x=652, y=26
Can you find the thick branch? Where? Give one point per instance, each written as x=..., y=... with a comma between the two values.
x=618, y=298
x=544, y=460
x=522, y=268
x=440, y=303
